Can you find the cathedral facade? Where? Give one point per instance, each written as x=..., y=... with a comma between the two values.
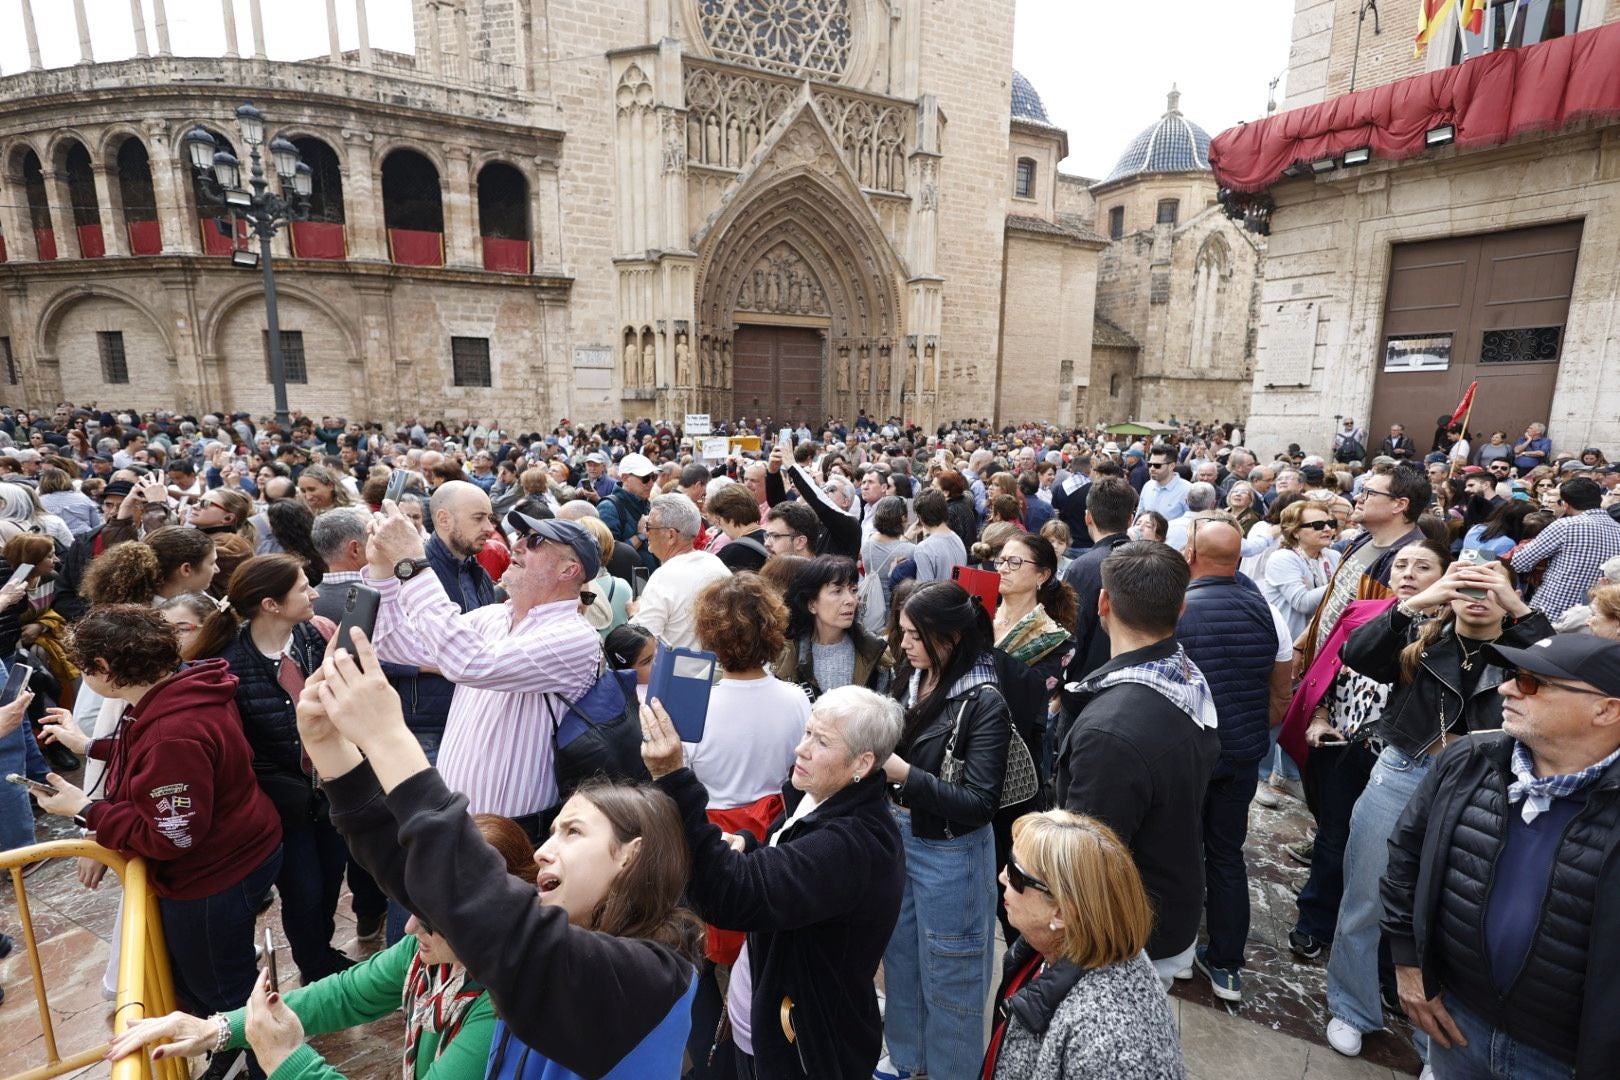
x=645, y=207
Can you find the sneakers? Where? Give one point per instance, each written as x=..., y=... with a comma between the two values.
x=1282, y=785
x=1343, y=1038
x=1267, y=797
x=369, y=927
x=1304, y=945
x=888, y=1070
x=1226, y=982
x=1301, y=851
x=1427, y=1073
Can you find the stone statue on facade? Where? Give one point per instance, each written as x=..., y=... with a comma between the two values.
x=649, y=365
x=632, y=364
x=683, y=361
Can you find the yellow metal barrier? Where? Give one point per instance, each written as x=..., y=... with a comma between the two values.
x=144, y=985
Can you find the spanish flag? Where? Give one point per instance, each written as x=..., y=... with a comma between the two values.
x=1432, y=14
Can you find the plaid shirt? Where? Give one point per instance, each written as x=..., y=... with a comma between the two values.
x=1575, y=549
x=1538, y=792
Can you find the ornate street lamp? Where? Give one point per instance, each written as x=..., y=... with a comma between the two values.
x=266, y=212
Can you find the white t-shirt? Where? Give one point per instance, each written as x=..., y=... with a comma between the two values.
x=749, y=736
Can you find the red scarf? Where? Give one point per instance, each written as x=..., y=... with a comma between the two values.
x=1025, y=976
x=437, y=998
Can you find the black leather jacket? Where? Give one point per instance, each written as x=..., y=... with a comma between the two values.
x=943, y=811
x=1433, y=701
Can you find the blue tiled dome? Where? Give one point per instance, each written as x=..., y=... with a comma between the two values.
x=1026, y=103
x=1171, y=144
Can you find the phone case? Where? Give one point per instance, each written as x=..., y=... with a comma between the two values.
x=681, y=680
x=985, y=584
x=360, y=603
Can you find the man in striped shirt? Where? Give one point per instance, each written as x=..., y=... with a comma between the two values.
x=513, y=664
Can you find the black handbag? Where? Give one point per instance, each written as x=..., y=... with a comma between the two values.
x=599, y=734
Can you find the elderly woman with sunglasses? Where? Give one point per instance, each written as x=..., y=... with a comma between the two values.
x=1079, y=998
x=1297, y=573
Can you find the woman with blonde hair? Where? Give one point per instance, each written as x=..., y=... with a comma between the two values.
x=1079, y=997
x=223, y=511
x=610, y=609
x=1297, y=572
x=322, y=489
x=1605, y=619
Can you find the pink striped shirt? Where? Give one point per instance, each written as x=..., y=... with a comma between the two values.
x=509, y=684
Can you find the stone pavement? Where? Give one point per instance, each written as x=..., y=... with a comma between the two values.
x=1275, y=1034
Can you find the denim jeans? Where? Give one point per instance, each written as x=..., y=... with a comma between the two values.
x=1226, y=876
x=1277, y=762
x=211, y=942
x=936, y=970
x=1491, y=1054
x=1334, y=779
x=16, y=805
x=314, y=858
x=1352, y=982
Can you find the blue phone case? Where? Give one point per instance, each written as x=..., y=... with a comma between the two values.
x=680, y=680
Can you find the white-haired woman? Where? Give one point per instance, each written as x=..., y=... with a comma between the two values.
x=818, y=895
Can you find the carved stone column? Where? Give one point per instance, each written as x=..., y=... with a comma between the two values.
x=362, y=209
x=332, y=32
x=171, y=190
x=31, y=34
x=160, y=22
x=58, y=199
x=547, y=216
x=364, y=29
x=86, y=53
x=461, y=224
x=113, y=234
x=256, y=18
x=227, y=15
x=15, y=221
x=137, y=23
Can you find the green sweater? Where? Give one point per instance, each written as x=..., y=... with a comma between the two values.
x=370, y=991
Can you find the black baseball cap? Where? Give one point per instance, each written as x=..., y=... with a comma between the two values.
x=1583, y=658
x=117, y=488
x=563, y=532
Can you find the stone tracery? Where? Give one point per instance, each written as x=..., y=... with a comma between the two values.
x=799, y=37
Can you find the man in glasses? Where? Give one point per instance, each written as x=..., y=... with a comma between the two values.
x=668, y=605
x=1502, y=895
x=515, y=665
x=1165, y=491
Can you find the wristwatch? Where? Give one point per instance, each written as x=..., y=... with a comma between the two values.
x=79, y=818
x=406, y=569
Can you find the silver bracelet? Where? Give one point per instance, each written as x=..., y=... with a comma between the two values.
x=224, y=1037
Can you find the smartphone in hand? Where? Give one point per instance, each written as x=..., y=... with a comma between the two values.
x=32, y=785
x=270, y=962
x=360, y=603
x=15, y=682
x=19, y=574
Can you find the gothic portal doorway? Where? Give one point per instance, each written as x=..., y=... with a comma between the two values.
x=777, y=373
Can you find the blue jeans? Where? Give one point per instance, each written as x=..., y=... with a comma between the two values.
x=936, y=970
x=211, y=941
x=1334, y=779
x=1491, y=1054
x=1226, y=876
x=311, y=877
x=1277, y=762
x=16, y=805
x=1352, y=981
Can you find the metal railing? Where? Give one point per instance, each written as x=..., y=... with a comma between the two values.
x=144, y=986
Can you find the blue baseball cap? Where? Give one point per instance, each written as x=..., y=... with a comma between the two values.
x=563, y=532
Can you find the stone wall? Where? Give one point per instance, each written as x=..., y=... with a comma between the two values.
x=1330, y=245
x=1046, y=352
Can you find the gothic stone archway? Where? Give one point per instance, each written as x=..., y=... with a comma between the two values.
x=798, y=306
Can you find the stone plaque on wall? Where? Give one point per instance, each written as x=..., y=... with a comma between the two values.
x=593, y=356
x=1290, y=340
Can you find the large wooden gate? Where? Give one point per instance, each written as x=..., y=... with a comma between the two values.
x=777, y=372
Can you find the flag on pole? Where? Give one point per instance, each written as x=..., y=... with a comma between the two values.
x=1432, y=14
x=1466, y=405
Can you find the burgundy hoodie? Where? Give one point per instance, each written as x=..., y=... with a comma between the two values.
x=180, y=788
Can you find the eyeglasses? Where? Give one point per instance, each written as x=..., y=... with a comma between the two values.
x=1366, y=491
x=1530, y=685
x=770, y=536
x=1319, y=526
x=1019, y=880
x=1011, y=562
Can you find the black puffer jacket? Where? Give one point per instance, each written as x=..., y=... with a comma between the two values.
x=1442, y=856
x=267, y=710
x=1433, y=701
x=942, y=811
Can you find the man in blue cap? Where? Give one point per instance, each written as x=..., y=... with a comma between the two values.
x=1502, y=895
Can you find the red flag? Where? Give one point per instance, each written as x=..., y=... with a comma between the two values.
x=1466, y=405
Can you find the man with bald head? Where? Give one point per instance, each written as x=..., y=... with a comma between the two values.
x=462, y=522
x=1245, y=651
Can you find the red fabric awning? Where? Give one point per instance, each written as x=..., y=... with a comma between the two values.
x=145, y=238
x=221, y=243
x=1489, y=100
x=318, y=240
x=416, y=247
x=2, y=249
x=91, y=243
x=45, y=244
x=511, y=256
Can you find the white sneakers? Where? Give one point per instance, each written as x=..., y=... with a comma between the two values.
x=1343, y=1038
x=1267, y=796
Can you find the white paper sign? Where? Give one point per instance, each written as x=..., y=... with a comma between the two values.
x=716, y=449
x=697, y=423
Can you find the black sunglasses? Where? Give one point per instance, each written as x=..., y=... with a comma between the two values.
x=1530, y=685
x=1319, y=526
x=1021, y=881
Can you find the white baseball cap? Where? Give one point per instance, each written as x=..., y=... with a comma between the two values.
x=637, y=465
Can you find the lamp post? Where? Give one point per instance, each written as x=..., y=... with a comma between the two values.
x=265, y=212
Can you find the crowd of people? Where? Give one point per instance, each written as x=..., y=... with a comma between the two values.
x=978, y=692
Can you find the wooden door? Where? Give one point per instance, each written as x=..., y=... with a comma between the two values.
x=777, y=372
x=1495, y=305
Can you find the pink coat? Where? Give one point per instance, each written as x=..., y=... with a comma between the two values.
x=1318, y=681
